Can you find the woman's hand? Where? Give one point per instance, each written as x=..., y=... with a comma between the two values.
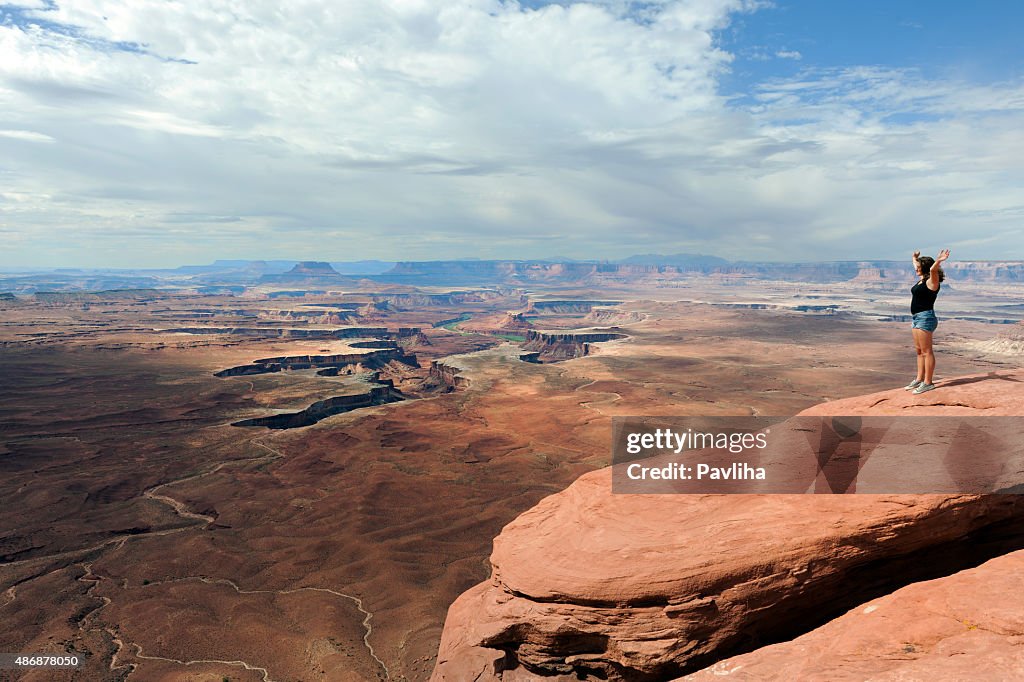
x=943, y=255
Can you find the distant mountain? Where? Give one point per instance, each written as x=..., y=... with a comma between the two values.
x=233, y=276
x=363, y=267
x=314, y=268
x=306, y=272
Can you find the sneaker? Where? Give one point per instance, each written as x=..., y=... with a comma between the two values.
x=912, y=385
x=923, y=388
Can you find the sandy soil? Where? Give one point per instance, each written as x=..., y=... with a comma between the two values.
x=162, y=543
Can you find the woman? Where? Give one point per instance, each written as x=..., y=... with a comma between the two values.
x=922, y=307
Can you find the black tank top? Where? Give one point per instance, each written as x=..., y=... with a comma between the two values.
x=923, y=298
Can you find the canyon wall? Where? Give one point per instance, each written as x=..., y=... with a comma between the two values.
x=380, y=394
x=566, y=307
x=370, y=360
x=416, y=301
x=446, y=375
x=552, y=347
x=279, y=332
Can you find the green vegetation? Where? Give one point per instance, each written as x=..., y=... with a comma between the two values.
x=451, y=324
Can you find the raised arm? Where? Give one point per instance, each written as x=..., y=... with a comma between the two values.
x=933, y=275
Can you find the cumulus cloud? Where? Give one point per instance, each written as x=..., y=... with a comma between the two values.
x=425, y=129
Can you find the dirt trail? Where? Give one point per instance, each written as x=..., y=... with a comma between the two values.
x=182, y=510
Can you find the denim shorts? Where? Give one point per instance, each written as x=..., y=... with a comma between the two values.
x=926, y=320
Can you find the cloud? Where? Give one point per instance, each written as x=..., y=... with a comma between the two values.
x=26, y=135
x=789, y=54
x=416, y=129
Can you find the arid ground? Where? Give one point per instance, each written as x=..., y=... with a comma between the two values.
x=143, y=530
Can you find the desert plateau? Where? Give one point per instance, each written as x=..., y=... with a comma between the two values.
x=295, y=484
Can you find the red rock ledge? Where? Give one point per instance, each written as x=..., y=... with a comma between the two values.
x=590, y=585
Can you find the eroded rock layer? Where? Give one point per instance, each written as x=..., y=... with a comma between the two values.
x=961, y=627
x=566, y=346
x=592, y=585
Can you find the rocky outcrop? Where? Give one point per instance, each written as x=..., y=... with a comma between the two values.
x=247, y=370
x=315, y=268
x=371, y=360
x=613, y=316
x=994, y=394
x=284, y=333
x=373, y=344
x=552, y=347
x=65, y=297
x=310, y=316
x=1009, y=342
x=594, y=585
x=382, y=393
x=416, y=300
x=446, y=375
x=345, y=306
x=968, y=626
x=566, y=307
x=374, y=310
x=278, y=332
x=306, y=271
x=514, y=321
x=510, y=324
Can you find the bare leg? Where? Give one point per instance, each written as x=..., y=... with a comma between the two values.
x=919, y=344
x=929, y=357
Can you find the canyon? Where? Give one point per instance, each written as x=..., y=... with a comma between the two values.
x=335, y=484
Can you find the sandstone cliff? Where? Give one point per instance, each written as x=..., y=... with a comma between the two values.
x=552, y=347
x=373, y=359
x=591, y=585
x=306, y=272
x=968, y=626
x=446, y=375
x=514, y=321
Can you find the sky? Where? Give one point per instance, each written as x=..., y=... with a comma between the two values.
x=154, y=133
